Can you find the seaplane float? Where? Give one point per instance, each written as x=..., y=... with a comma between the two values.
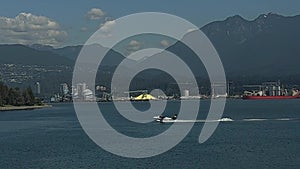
x=163, y=119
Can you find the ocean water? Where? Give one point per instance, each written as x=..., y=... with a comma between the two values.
x=263, y=134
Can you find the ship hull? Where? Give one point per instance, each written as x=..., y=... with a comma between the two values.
x=269, y=97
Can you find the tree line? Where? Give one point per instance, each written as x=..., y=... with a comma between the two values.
x=16, y=96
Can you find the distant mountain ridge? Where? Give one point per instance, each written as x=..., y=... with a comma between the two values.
x=267, y=45
x=20, y=54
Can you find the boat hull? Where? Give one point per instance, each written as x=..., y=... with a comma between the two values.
x=270, y=97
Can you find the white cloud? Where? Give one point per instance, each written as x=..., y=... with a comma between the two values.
x=107, y=26
x=27, y=28
x=165, y=43
x=106, y=29
x=133, y=46
x=95, y=14
x=134, y=43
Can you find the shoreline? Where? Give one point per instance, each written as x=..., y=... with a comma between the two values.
x=15, y=108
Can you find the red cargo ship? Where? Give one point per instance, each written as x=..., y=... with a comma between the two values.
x=270, y=90
x=270, y=97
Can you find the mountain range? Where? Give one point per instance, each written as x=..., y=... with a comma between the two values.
x=267, y=46
x=20, y=54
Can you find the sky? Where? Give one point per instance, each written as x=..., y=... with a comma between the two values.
x=70, y=22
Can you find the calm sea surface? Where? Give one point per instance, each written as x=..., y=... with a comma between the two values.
x=53, y=138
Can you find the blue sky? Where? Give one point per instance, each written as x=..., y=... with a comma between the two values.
x=75, y=27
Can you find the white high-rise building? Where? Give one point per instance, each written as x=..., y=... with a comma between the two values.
x=64, y=89
x=37, y=88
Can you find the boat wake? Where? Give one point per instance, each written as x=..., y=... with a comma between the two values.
x=169, y=120
x=224, y=119
x=278, y=119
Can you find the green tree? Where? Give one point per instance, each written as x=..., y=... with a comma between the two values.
x=28, y=97
x=16, y=96
x=3, y=94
